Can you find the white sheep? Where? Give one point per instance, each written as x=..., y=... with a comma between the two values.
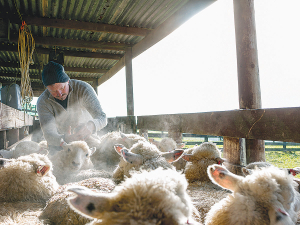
x=166, y=144
x=24, y=148
x=27, y=178
x=267, y=196
x=25, y=213
x=105, y=156
x=147, y=198
x=199, y=159
x=142, y=155
x=255, y=165
x=57, y=209
x=74, y=157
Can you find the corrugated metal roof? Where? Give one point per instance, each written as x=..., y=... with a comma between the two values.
x=145, y=14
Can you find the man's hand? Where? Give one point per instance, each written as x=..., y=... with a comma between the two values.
x=82, y=132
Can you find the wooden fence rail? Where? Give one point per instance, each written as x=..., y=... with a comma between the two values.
x=269, y=145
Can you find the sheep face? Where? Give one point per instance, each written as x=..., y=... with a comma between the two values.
x=142, y=155
x=199, y=159
x=133, y=203
x=76, y=155
x=267, y=196
x=27, y=178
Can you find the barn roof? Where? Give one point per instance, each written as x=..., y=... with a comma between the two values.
x=92, y=35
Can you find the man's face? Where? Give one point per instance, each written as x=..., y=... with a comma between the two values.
x=59, y=91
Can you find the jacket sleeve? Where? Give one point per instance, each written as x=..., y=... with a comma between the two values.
x=47, y=123
x=92, y=104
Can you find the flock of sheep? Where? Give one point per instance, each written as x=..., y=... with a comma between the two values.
x=125, y=179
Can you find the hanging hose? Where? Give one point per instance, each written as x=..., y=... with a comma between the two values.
x=26, y=46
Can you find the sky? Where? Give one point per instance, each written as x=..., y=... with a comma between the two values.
x=194, y=68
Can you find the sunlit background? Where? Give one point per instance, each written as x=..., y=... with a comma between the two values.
x=194, y=68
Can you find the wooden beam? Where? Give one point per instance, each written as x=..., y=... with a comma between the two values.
x=86, y=26
x=39, y=50
x=68, y=69
x=85, y=70
x=191, y=8
x=280, y=124
x=71, y=43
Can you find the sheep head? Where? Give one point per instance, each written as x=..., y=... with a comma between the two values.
x=268, y=191
x=166, y=203
x=76, y=154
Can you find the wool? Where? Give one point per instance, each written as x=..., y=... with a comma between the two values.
x=146, y=198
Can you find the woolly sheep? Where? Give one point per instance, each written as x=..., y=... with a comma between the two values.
x=105, y=156
x=142, y=155
x=248, y=169
x=157, y=197
x=267, y=196
x=74, y=157
x=16, y=213
x=27, y=178
x=200, y=158
x=166, y=144
x=57, y=209
x=24, y=148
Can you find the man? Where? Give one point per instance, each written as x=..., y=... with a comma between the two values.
x=68, y=109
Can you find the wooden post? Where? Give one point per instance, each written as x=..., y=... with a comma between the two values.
x=233, y=152
x=95, y=85
x=129, y=82
x=247, y=67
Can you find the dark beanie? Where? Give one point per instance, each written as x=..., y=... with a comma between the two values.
x=54, y=73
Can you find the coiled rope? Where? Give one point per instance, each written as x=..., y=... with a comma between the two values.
x=26, y=46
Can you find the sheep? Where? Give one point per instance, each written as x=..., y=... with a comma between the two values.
x=74, y=157
x=25, y=213
x=267, y=196
x=147, y=198
x=142, y=155
x=27, y=178
x=57, y=209
x=24, y=148
x=200, y=158
x=166, y=144
x=105, y=156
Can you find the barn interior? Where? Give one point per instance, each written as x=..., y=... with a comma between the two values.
x=94, y=40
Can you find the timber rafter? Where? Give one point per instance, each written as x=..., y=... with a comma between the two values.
x=87, y=26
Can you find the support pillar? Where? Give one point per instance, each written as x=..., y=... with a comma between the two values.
x=129, y=82
x=247, y=68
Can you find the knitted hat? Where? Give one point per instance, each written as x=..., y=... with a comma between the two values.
x=54, y=73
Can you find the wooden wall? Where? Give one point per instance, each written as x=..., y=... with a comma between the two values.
x=13, y=124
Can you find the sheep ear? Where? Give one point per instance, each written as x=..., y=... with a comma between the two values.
x=222, y=177
x=123, y=136
x=172, y=156
x=93, y=149
x=188, y=157
x=62, y=142
x=132, y=158
x=220, y=160
x=87, y=202
x=181, y=145
x=246, y=171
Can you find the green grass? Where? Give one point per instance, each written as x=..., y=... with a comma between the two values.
x=289, y=159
